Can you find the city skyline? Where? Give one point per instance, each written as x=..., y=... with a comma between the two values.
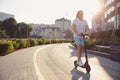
x=47, y=11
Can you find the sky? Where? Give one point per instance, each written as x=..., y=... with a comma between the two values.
x=47, y=11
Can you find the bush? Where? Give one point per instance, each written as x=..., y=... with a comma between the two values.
x=16, y=44
x=90, y=43
x=117, y=33
x=6, y=47
x=44, y=41
x=40, y=42
x=33, y=42
x=103, y=41
x=23, y=43
x=102, y=34
x=53, y=41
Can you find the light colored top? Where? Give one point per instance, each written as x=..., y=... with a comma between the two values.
x=80, y=26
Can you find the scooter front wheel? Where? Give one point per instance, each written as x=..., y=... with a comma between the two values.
x=88, y=69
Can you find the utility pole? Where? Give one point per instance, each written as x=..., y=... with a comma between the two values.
x=27, y=32
x=63, y=29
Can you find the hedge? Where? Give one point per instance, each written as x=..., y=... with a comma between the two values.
x=44, y=41
x=6, y=47
x=34, y=42
x=16, y=44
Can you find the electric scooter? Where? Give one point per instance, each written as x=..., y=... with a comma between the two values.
x=86, y=65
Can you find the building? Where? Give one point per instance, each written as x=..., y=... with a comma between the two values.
x=59, y=30
x=63, y=24
x=65, y=27
x=108, y=17
x=112, y=14
x=98, y=18
x=47, y=31
x=96, y=22
x=4, y=16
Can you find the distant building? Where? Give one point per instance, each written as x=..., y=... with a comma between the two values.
x=47, y=31
x=58, y=30
x=4, y=16
x=51, y=32
x=63, y=24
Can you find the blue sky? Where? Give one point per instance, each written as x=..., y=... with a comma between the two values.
x=47, y=11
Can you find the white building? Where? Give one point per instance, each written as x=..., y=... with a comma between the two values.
x=63, y=24
x=4, y=16
x=47, y=31
x=54, y=31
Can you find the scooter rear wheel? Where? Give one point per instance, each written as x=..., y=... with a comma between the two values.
x=75, y=64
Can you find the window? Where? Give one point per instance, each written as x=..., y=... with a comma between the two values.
x=105, y=14
x=109, y=1
x=118, y=4
x=110, y=10
x=112, y=19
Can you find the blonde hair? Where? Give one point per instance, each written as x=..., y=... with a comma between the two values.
x=80, y=11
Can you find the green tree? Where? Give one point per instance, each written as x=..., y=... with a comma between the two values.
x=23, y=30
x=0, y=24
x=3, y=34
x=9, y=25
x=117, y=33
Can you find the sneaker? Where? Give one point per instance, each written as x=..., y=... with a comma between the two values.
x=80, y=63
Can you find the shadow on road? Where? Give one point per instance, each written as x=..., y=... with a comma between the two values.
x=74, y=53
x=76, y=75
x=111, y=68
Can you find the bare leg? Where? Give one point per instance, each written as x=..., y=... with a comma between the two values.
x=79, y=52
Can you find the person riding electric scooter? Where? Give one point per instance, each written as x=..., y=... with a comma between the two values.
x=86, y=65
x=80, y=27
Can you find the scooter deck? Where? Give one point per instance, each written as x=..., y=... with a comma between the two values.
x=76, y=65
x=87, y=67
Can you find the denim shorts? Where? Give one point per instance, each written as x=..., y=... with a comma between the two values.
x=79, y=41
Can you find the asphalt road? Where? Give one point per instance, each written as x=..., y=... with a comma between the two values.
x=56, y=63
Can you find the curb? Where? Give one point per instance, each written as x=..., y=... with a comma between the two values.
x=97, y=53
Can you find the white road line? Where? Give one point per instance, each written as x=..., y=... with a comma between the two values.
x=37, y=70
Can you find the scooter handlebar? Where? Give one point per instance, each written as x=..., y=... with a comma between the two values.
x=83, y=34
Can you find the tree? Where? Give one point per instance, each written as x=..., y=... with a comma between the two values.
x=0, y=24
x=23, y=30
x=117, y=33
x=3, y=34
x=9, y=25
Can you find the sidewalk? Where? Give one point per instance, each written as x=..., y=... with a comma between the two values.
x=18, y=65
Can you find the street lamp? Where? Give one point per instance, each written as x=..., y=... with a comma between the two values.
x=52, y=36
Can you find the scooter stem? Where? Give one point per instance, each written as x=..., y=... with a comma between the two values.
x=85, y=47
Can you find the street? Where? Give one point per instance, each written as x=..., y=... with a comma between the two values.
x=55, y=62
